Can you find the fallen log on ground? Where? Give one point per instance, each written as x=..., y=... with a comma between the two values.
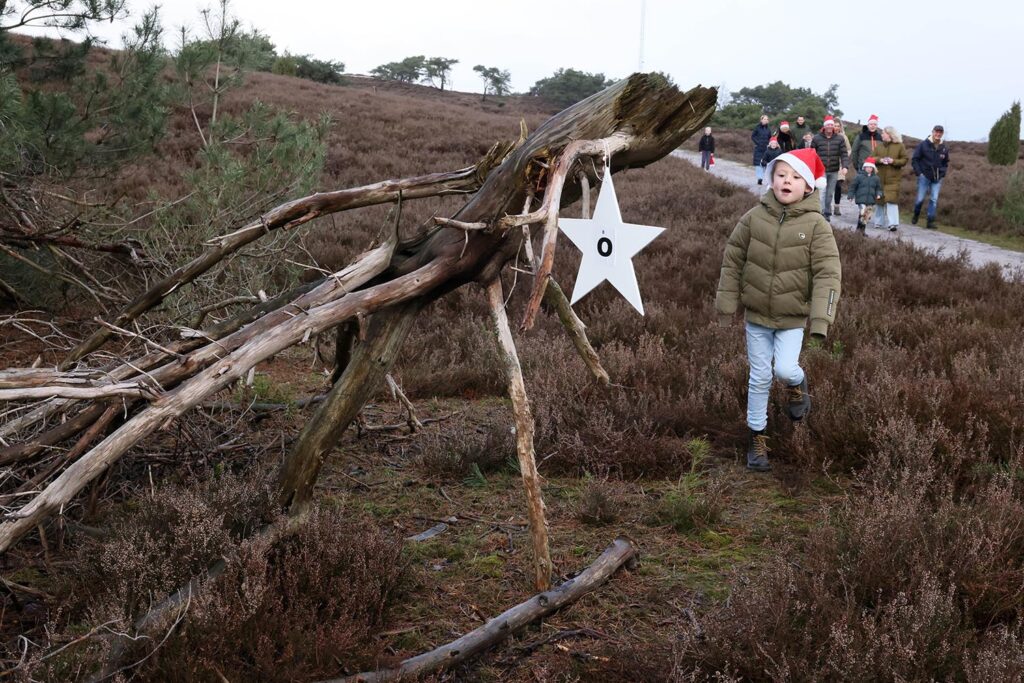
x=619, y=553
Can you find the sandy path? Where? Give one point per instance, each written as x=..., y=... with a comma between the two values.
x=978, y=253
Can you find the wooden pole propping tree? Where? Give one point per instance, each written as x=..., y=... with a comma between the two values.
x=637, y=121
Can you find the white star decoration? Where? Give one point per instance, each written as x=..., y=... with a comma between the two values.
x=608, y=246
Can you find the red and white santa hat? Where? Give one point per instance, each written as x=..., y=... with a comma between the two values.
x=806, y=163
x=873, y=119
x=829, y=121
x=784, y=125
x=870, y=161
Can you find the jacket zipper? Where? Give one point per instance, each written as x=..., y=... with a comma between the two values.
x=775, y=259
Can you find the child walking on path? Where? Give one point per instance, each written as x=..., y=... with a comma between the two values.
x=782, y=264
x=866, y=191
x=773, y=151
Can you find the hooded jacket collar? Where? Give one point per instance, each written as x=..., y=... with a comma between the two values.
x=809, y=204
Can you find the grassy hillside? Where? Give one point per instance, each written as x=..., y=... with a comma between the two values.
x=886, y=545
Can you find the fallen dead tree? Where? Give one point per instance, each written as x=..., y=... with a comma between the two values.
x=505, y=624
x=373, y=301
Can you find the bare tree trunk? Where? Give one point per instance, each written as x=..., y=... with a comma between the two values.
x=524, y=436
x=370, y=362
x=502, y=626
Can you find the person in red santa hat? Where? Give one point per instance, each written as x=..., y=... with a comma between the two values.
x=866, y=192
x=831, y=147
x=866, y=143
x=780, y=251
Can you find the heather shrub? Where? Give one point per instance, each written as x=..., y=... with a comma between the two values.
x=296, y=603
x=304, y=606
x=159, y=542
x=459, y=453
x=904, y=580
x=1012, y=208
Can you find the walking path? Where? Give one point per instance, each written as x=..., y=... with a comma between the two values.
x=978, y=253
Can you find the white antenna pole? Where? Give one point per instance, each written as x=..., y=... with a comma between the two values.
x=643, y=23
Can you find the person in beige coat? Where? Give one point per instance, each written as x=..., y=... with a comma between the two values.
x=781, y=264
x=890, y=157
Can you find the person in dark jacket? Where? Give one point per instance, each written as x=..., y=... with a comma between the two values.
x=773, y=151
x=760, y=137
x=831, y=147
x=841, y=132
x=866, y=191
x=706, y=146
x=864, y=146
x=930, y=162
x=786, y=141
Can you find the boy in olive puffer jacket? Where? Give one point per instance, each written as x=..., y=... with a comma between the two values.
x=782, y=264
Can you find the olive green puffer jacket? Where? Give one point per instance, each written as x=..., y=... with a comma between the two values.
x=782, y=264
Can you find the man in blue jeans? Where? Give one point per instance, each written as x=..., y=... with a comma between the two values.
x=930, y=162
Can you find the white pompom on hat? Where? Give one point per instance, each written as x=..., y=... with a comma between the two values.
x=806, y=163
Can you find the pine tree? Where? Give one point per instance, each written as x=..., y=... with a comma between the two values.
x=1004, y=138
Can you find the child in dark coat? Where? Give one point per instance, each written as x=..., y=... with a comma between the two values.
x=774, y=150
x=865, y=191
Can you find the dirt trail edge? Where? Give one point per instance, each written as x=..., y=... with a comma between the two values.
x=978, y=253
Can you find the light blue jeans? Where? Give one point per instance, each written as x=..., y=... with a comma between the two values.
x=925, y=187
x=765, y=345
x=887, y=215
x=828, y=193
x=760, y=171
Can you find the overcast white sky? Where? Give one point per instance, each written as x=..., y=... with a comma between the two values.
x=914, y=62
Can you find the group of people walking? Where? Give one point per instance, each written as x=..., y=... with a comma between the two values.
x=877, y=153
x=781, y=267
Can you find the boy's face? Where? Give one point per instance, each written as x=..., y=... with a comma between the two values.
x=789, y=187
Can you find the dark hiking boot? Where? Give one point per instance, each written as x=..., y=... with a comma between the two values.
x=917, y=214
x=757, y=452
x=760, y=181
x=931, y=224
x=798, y=401
x=892, y=228
x=836, y=211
